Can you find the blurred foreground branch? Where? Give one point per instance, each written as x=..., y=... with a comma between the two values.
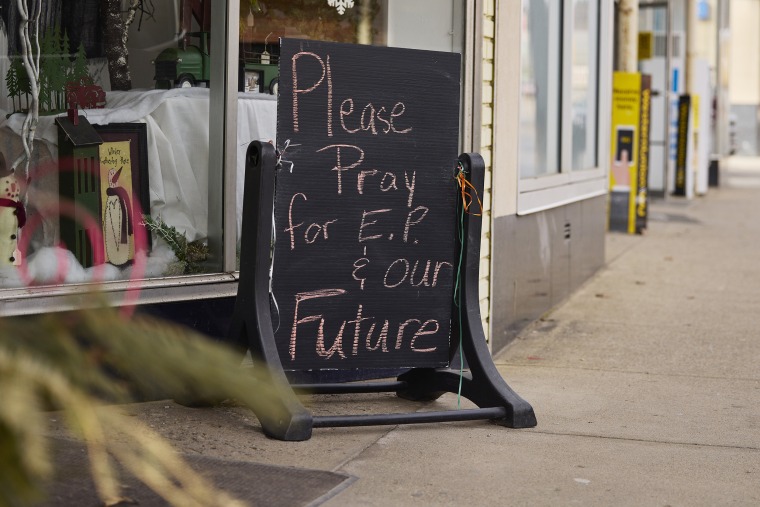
x=79, y=361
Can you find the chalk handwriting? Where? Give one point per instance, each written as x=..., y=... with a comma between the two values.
x=306, y=296
x=297, y=91
x=312, y=232
x=372, y=119
x=416, y=328
x=413, y=218
x=399, y=271
x=364, y=224
x=358, y=265
x=339, y=168
x=410, y=186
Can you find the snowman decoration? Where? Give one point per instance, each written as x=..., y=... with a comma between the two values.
x=12, y=215
x=117, y=222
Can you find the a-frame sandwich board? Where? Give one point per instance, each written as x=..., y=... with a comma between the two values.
x=252, y=325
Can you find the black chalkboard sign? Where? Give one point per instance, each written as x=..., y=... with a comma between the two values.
x=365, y=209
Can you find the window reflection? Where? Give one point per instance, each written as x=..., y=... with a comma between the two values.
x=539, y=91
x=583, y=84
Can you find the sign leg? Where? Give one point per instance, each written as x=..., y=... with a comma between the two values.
x=285, y=418
x=483, y=384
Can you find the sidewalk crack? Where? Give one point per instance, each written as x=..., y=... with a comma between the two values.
x=650, y=441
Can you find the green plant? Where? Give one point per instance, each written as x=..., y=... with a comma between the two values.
x=78, y=361
x=191, y=254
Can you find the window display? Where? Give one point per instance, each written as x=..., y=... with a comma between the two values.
x=78, y=128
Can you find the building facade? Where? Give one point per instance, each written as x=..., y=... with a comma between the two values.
x=552, y=73
x=744, y=78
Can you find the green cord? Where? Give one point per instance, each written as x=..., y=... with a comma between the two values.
x=458, y=299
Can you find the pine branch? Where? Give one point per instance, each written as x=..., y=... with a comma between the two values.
x=169, y=234
x=190, y=253
x=80, y=360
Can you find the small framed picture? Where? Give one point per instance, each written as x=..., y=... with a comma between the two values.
x=253, y=81
x=123, y=187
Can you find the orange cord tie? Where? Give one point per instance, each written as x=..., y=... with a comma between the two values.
x=467, y=198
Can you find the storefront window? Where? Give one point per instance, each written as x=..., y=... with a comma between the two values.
x=584, y=84
x=553, y=60
x=565, y=50
x=121, y=148
x=540, y=88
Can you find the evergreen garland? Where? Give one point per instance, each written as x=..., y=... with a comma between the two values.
x=190, y=254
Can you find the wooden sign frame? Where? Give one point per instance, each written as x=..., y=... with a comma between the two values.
x=252, y=327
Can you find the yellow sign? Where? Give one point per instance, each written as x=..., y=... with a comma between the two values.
x=629, y=151
x=646, y=45
x=626, y=100
x=116, y=213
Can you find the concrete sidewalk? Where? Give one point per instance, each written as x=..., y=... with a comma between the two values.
x=646, y=382
x=646, y=385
